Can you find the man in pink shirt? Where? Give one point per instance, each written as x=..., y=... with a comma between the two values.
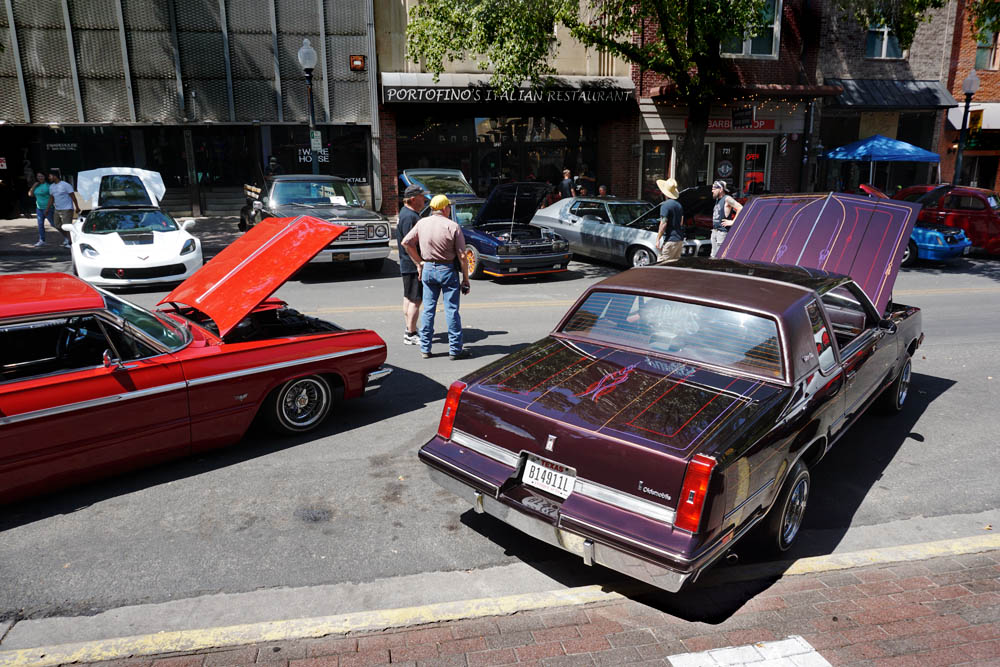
x=434, y=244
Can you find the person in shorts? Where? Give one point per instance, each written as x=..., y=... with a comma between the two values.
x=413, y=290
x=722, y=214
x=63, y=202
x=670, y=234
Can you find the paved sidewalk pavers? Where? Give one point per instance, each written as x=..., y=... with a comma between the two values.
x=940, y=611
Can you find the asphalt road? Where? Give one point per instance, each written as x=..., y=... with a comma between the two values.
x=351, y=503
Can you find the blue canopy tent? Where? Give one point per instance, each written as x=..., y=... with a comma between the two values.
x=877, y=148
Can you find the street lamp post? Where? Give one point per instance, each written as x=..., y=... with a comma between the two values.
x=307, y=59
x=969, y=86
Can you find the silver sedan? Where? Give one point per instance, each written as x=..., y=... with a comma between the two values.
x=618, y=230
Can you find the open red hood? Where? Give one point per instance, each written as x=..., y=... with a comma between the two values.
x=253, y=267
x=860, y=237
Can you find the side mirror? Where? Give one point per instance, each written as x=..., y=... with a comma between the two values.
x=67, y=228
x=110, y=361
x=887, y=326
x=187, y=224
x=364, y=203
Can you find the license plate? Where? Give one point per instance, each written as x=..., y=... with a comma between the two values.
x=512, y=269
x=966, y=249
x=341, y=256
x=547, y=476
x=557, y=266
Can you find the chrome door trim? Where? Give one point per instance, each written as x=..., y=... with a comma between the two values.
x=92, y=403
x=278, y=366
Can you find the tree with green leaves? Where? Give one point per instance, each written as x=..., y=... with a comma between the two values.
x=514, y=40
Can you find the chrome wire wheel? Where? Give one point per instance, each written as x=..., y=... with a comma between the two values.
x=795, y=508
x=302, y=404
x=903, y=385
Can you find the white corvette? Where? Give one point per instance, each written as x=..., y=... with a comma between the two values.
x=126, y=239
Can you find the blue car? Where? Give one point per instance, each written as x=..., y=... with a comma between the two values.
x=498, y=237
x=448, y=182
x=938, y=243
x=935, y=242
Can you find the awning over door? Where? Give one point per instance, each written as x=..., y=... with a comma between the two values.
x=886, y=94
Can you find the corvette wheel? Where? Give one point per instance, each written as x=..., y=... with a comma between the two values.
x=300, y=405
x=641, y=257
x=910, y=254
x=785, y=519
x=472, y=259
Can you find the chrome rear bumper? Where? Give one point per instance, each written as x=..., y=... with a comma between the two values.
x=373, y=382
x=590, y=551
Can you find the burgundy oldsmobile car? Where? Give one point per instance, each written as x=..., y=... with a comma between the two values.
x=91, y=385
x=676, y=406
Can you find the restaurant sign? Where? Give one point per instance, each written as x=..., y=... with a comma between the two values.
x=475, y=94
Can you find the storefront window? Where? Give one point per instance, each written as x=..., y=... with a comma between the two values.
x=655, y=166
x=498, y=149
x=344, y=154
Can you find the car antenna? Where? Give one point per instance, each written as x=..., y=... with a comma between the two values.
x=513, y=215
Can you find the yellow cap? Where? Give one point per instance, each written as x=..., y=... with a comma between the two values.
x=439, y=202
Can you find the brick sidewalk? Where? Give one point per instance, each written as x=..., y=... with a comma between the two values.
x=942, y=611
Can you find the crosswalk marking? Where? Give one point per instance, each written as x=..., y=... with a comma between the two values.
x=792, y=651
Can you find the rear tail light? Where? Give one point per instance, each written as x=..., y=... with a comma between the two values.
x=450, y=408
x=693, y=493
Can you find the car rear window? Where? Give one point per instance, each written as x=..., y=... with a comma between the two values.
x=688, y=331
x=444, y=183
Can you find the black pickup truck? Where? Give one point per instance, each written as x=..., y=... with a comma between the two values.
x=328, y=198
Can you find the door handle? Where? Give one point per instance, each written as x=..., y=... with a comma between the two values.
x=850, y=375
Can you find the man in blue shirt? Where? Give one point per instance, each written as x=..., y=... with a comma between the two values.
x=670, y=235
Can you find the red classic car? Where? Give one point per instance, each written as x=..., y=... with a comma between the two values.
x=677, y=406
x=91, y=384
x=974, y=210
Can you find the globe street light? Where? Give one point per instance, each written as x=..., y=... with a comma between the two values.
x=969, y=86
x=307, y=59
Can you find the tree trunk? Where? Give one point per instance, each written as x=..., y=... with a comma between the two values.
x=691, y=148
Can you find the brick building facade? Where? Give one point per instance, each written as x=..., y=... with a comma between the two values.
x=889, y=91
x=981, y=161
x=779, y=79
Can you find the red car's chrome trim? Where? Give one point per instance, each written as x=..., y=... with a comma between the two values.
x=83, y=405
x=92, y=403
x=278, y=366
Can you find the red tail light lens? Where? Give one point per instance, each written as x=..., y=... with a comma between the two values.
x=693, y=493
x=450, y=408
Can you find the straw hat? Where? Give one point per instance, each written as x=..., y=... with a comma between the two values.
x=439, y=202
x=668, y=187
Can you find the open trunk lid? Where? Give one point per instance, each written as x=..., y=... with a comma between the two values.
x=253, y=267
x=619, y=418
x=860, y=237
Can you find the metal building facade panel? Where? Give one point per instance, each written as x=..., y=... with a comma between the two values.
x=345, y=17
x=151, y=58
x=298, y=17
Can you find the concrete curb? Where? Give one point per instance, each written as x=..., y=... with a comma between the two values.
x=254, y=633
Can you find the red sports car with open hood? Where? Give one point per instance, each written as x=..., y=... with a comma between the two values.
x=91, y=384
x=675, y=406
